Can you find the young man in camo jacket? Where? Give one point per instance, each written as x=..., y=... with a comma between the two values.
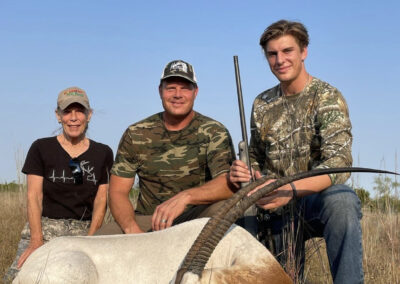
x=302, y=124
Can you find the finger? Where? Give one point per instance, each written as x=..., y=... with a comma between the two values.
x=163, y=222
x=257, y=174
x=21, y=260
x=239, y=169
x=153, y=220
x=264, y=201
x=23, y=257
x=239, y=176
x=169, y=222
x=239, y=166
x=268, y=206
x=239, y=163
x=156, y=219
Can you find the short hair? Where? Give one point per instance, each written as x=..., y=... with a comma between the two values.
x=284, y=27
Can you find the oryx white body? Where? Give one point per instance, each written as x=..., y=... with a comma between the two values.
x=149, y=258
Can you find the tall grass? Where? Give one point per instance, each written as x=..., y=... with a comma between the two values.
x=381, y=244
x=12, y=219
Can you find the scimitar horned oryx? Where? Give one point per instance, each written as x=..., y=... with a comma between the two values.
x=234, y=207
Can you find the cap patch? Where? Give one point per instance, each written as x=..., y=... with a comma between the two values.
x=178, y=67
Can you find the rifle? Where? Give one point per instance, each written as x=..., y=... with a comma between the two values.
x=249, y=220
x=243, y=145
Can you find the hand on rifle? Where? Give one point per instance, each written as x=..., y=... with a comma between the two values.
x=239, y=173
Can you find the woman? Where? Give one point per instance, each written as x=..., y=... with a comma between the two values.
x=67, y=178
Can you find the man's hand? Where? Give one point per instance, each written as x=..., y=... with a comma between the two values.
x=277, y=198
x=167, y=211
x=239, y=173
x=33, y=245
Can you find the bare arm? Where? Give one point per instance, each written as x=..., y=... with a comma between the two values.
x=120, y=205
x=215, y=190
x=99, y=209
x=284, y=194
x=281, y=196
x=35, y=198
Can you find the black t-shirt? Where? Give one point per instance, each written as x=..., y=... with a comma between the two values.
x=62, y=198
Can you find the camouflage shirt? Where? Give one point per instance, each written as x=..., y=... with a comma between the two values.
x=304, y=131
x=168, y=162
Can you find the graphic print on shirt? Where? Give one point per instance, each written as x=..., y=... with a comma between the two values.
x=87, y=171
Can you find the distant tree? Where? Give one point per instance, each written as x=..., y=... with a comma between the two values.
x=12, y=186
x=383, y=185
x=386, y=193
x=364, y=196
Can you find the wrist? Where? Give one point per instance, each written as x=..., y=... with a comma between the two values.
x=186, y=197
x=294, y=191
x=36, y=242
x=132, y=229
x=36, y=239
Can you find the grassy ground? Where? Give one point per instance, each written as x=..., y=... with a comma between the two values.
x=12, y=220
x=381, y=241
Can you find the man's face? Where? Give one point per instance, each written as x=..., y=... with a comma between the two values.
x=285, y=58
x=177, y=95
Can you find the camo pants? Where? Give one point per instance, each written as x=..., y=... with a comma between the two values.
x=51, y=228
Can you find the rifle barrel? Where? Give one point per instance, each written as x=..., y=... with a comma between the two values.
x=240, y=99
x=243, y=145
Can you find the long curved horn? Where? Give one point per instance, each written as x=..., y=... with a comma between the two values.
x=217, y=226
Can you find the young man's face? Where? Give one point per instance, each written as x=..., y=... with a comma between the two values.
x=177, y=95
x=285, y=58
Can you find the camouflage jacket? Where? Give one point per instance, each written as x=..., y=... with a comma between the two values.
x=168, y=162
x=308, y=130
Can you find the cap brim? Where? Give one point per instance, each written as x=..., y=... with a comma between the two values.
x=73, y=100
x=180, y=76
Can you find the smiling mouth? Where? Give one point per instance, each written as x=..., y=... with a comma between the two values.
x=282, y=69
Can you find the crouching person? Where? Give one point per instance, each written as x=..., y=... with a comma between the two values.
x=180, y=157
x=67, y=177
x=301, y=124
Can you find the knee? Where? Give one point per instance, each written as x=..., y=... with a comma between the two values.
x=341, y=203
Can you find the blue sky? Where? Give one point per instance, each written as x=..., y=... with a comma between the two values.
x=116, y=51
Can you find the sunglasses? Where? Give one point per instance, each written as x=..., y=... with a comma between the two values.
x=75, y=166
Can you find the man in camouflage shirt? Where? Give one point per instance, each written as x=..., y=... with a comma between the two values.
x=180, y=156
x=302, y=124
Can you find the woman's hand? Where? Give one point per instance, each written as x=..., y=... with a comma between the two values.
x=33, y=245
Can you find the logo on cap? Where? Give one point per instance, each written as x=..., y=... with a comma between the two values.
x=72, y=95
x=178, y=66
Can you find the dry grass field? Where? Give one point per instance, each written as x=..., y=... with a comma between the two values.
x=12, y=219
x=381, y=240
x=381, y=243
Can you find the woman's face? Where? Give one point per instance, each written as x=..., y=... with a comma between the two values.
x=74, y=120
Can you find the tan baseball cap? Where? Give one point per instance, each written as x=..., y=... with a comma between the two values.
x=72, y=95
